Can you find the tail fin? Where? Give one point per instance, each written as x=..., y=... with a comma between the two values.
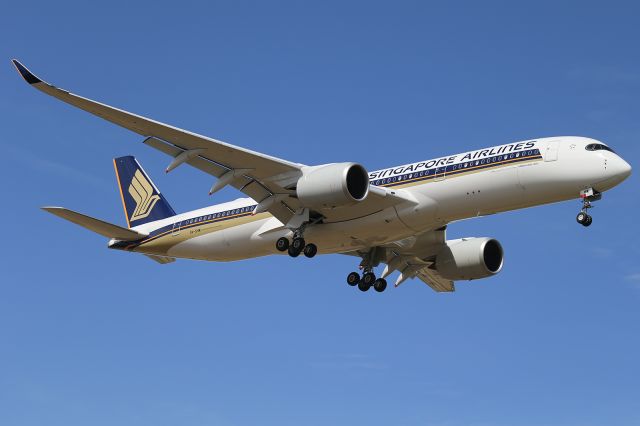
x=141, y=200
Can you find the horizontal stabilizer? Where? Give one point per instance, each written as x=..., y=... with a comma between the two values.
x=98, y=226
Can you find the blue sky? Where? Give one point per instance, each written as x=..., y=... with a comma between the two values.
x=91, y=336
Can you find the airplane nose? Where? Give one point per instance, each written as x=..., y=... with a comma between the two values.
x=615, y=171
x=622, y=169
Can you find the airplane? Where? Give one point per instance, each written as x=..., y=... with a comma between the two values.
x=397, y=216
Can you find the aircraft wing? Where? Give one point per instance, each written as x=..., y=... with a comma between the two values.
x=413, y=257
x=266, y=179
x=253, y=173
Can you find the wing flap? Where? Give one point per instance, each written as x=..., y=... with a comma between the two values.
x=98, y=226
x=435, y=281
x=253, y=188
x=163, y=260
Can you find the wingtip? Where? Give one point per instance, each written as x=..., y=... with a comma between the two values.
x=27, y=75
x=53, y=209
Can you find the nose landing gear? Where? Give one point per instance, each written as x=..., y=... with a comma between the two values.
x=588, y=196
x=584, y=219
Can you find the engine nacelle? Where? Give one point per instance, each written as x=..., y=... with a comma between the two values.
x=333, y=185
x=470, y=258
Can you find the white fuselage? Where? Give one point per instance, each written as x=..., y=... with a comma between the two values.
x=476, y=183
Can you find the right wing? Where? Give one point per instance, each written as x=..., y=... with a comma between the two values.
x=270, y=181
x=257, y=175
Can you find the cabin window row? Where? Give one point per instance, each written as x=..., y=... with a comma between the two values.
x=221, y=214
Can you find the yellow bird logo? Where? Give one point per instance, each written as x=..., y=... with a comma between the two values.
x=142, y=193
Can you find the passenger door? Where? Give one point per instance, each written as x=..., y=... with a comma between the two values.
x=551, y=152
x=176, y=229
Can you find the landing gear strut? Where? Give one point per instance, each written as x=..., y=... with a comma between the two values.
x=588, y=196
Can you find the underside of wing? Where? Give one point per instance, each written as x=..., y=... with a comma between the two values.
x=245, y=180
x=255, y=174
x=413, y=257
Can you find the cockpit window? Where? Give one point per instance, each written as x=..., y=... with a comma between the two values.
x=598, y=147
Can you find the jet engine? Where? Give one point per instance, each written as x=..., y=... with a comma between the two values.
x=469, y=258
x=333, y=185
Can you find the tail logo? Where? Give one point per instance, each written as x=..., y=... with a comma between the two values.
x=141, y=191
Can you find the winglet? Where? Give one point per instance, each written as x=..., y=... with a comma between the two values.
x=28, y=76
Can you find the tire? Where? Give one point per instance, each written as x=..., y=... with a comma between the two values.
x=282, y=244
x=310, y=250
x=293, y=252
x=581, y=218
x=588, y=221
x=353, y=278
x=362, y=286
x=380, y=285
x=298, y=244
x=369, y=278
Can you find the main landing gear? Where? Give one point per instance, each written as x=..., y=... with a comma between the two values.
x=370, y=260
x=297, y=246
x=588, y=196
x=367, y=281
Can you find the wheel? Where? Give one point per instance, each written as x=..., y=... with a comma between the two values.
x=587, y=221
x=298, y=244
x=379, y=285
x=362, y=286
x=369, y=278
x=293, y=252
x=353, y=278
x=310, y=250
x=581, y=218
x=282, y=244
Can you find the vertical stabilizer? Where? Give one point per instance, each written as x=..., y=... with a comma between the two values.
x=141, y=199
